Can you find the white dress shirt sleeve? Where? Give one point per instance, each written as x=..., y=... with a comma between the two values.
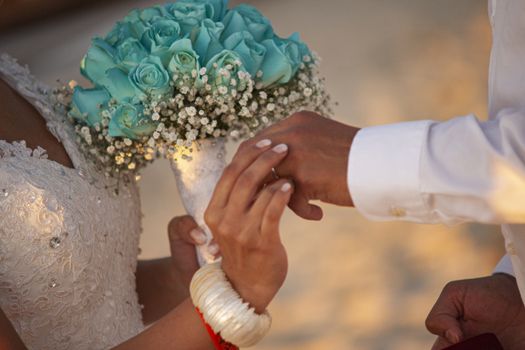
x=462, y=169
x=504, y=266
x=441, y=172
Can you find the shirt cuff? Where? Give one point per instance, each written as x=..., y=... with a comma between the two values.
x=504, y=266
x=383, y=171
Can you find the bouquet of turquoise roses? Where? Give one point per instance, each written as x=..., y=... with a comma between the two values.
x=168, y=76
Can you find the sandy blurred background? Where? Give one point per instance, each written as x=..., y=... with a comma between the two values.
x=353, y=284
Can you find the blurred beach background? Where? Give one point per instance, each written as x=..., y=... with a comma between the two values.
x=353, y=284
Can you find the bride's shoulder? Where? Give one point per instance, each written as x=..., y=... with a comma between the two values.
x=22, y=122
x=24, y=100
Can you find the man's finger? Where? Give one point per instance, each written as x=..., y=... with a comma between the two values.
x=445, y=325
x=443, y=319
x=300, y=206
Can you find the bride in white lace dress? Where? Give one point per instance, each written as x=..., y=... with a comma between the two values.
x=69, y=277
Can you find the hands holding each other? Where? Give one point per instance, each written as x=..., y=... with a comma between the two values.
x=245, y=212
x=244, y=215
x=246, y=208
x=317, y=160
x=469, y=308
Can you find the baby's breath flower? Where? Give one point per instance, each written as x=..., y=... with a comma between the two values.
x=223, y=90
x=191, y=111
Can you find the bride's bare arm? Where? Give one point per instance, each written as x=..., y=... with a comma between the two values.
x=162, y=284
x=158, y=290
x=181, y=328
x=9, y=339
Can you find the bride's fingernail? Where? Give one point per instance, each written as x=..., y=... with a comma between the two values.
x=286, y=187
x=281, y=148
x=263, y=143
x=198, y=236
x=213, y=249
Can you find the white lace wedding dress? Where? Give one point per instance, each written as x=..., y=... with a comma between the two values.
x=68, y=242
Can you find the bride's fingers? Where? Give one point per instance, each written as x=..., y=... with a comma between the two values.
x=184, y=228
x=273, y=213
x=264, y=197
x=214, y=249
x=184, y=234
x=251, y=179
x=247, y=153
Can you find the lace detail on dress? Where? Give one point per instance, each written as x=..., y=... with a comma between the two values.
x=20, y=149
x=68, y=243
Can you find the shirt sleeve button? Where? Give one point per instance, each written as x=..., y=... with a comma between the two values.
x=398, y=212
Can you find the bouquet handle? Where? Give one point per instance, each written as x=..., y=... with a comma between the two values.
x=196, y=175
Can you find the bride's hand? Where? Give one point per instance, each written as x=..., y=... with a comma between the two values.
x=245, y=222
x=184, y=234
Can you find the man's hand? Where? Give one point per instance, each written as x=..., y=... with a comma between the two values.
x=472, y=307
x=317, y=160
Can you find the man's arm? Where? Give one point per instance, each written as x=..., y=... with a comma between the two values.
x=459, y=170
x=424, y=171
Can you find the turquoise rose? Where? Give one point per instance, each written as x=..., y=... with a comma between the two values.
x=161, y=33
x=303, y=48
x=86, y=104
x=292, y=51
x=220, y=61
x=117, y=82
x=185, y=60
x=159, y=37
x=251, y=53
x=189, y=15
x=247, y=18
x=283, y=59
x=207, y=43
x=216, y=9
x=147, y=15
x=99, y=58
x=130, y=52
x=124, y=30
x=129, y=121
x=150, y=77
x=277, y=67
x=136, y=23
